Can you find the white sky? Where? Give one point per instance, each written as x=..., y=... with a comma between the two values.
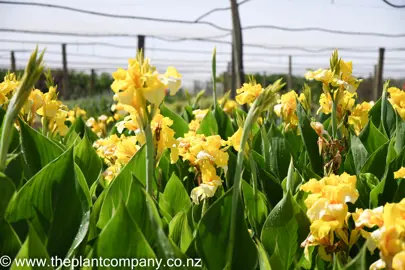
x=346, y=15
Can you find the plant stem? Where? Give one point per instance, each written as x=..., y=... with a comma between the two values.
x=250, y=119
x=334, y=117
x=214, y=77
x=150, y=160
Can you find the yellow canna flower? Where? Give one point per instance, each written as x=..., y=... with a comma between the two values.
x=205, y=153
x=234, y=141
x=200, y=114
x=7, y=87
x=398, y=262
x=359, y=116
x=141, y=82
x=229, y=106
x=327, y=208
x=286, y=109
x=400, y=173
x=344, y=104
x=248, y=93
x=397, y=99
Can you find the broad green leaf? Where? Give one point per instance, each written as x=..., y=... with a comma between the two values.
x=359, y=153
x=309, y=139
x=280, y=230
x=358, y=262
x=365, y=183
x=208, y=125
x=122, y=238
x=54, y=193
x=264, y=260
x=180, y=230
x=179, y=125
x=175, y=195
x=88, y=160
x=9, y=242
x=388, y=118
x=256, y=206
x=213, y=234
x=119, y=189
x=400, y=134
x=37, y=149
x=375, y=163
x=79, y=128
x=375, y=113
x=32, y=248
x=225, y=128
x=280, y=153
x=349, y=165
x=270, y=186
x=372, y=138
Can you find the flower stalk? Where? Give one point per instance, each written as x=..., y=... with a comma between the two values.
x=214, y=77
x=259, y=105
x=31, y=75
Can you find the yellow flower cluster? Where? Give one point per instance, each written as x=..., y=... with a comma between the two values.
x=116, y=152
x=7, y=87
x=99, y=126
x=338, y=76
x=397, y=99
x=389, y=235
x=359, y=116
x=53, y=112
x=194, y=124
x=327, y=209
x=229, y=106
x=345, y=103
x=286, y=108
x=163, y=135
x=141, y=82
x=248, y=93
x=76, y=113
x=205, y=154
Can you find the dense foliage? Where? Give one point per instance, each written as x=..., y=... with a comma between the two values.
x=276, y=187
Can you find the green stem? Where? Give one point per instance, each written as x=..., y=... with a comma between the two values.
x=32, y=72
x=204, y=207
x=5, y=139
x=150, y=160
x=334, y=118
x=214, y=77
x=251, y=117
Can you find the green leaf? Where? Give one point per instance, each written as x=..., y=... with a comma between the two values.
x=280, y=153
x=79, y=128
x=372, y=138
x=280, y=230
x=365, y=183
x=88, y=160
x=375, y=113
x=388, y=119
x=213, y=234
x=359, y=262
x=122, y=238
x=119, y=189
x=264, y=261
x=32, y=248
x=37, y=149
x=358, y=153
x=309, y=139
x=256, y=206
x=376, y=162
x=180, y=230
x=9, y=242
x=400, y=134
x=208, y=125
x=179, y=125
x=175, y=196
x=225, y=128
x=270, y=186
x=56, y=194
